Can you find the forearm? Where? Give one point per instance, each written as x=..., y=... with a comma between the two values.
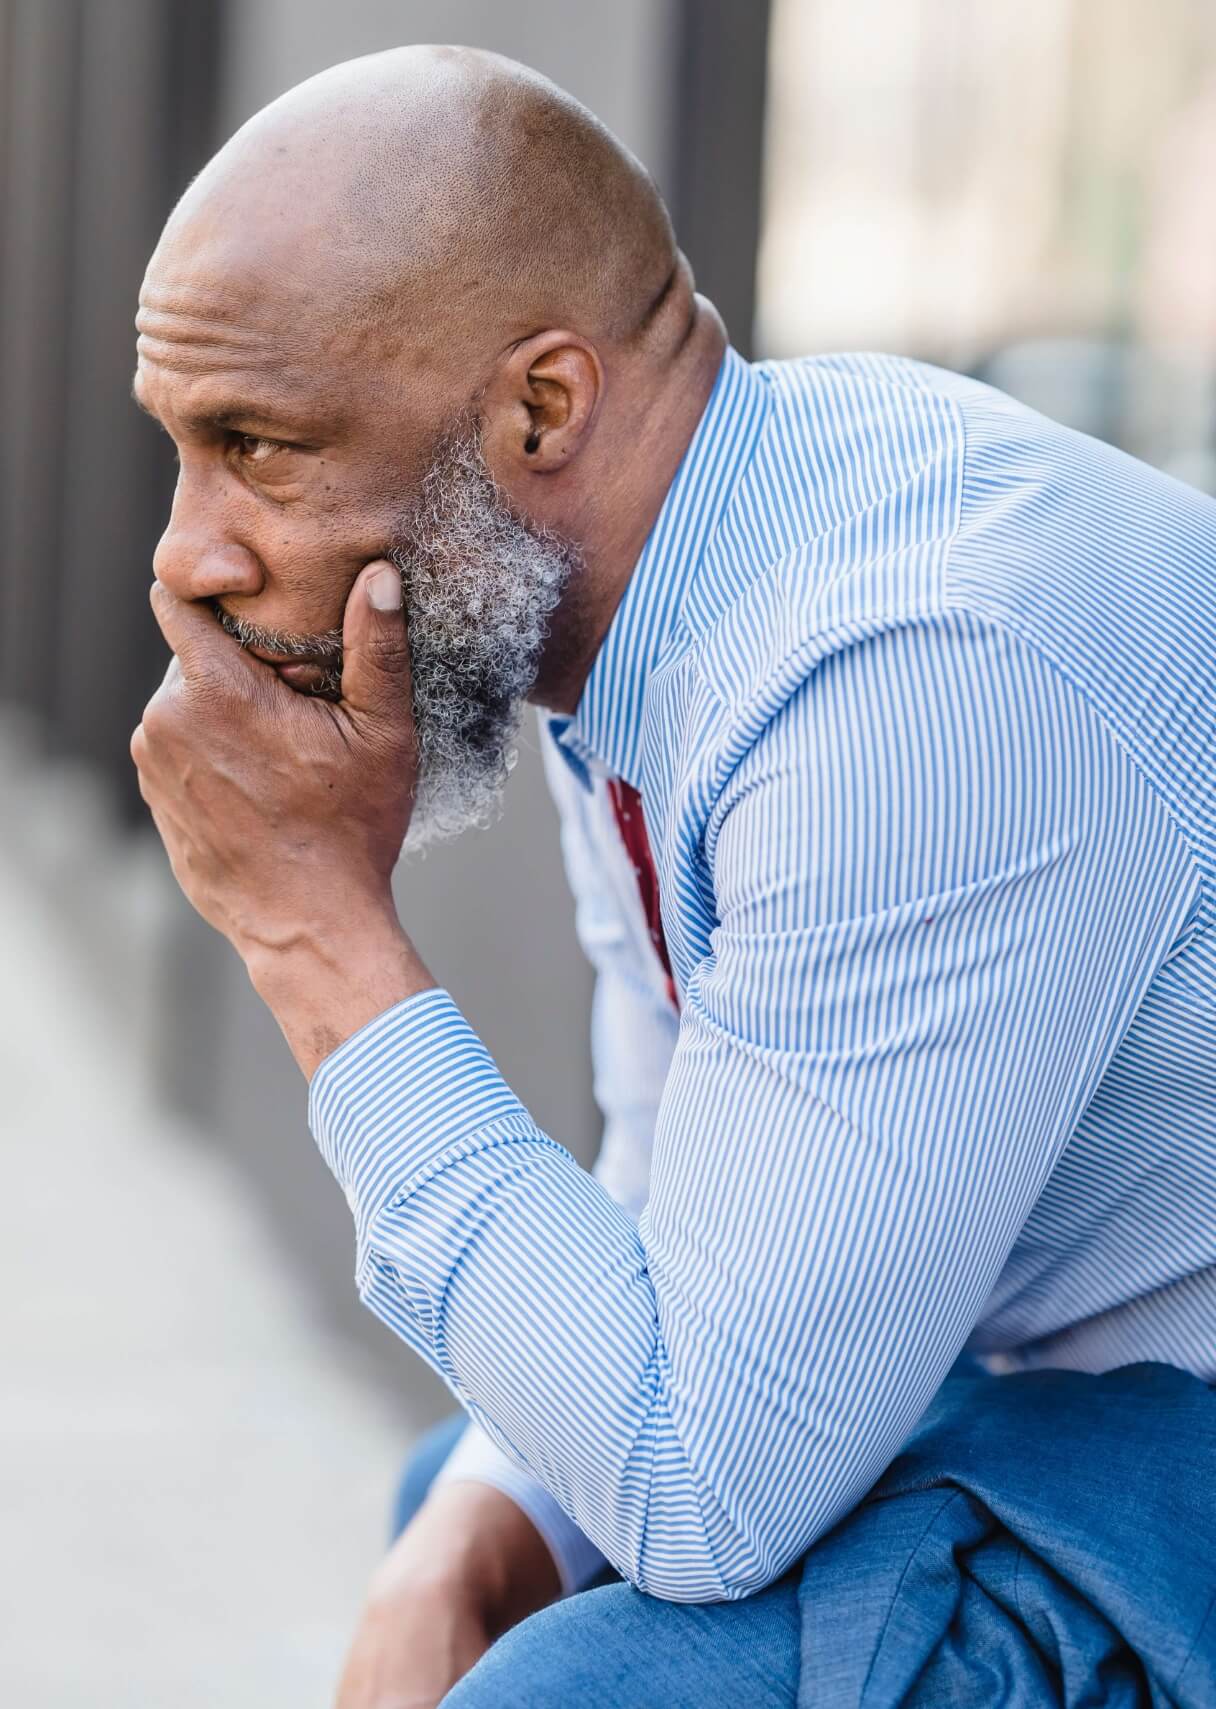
x=472, y=1541
x=495, y=1257
x=466, y=1568
x=323, y=985
x=478, y=1460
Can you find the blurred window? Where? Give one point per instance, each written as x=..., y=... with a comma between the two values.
x=1019, y=190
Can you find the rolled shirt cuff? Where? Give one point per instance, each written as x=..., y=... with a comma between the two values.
x=412, y=1091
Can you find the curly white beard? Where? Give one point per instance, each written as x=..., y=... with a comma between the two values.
x=480, y=584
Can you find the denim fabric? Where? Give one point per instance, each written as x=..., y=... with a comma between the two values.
x=1043, y=1539
x=422, y=1468
x=615, y=1648
x=611, y=1647
x=1046, y=1538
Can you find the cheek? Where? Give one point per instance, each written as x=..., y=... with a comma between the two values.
x=308, y=568
x=312, y=547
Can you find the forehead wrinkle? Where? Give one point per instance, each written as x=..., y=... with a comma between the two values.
x=236, y=297
x=175, y=327
x=204, y=315
x=200, y=359
x=199, y=344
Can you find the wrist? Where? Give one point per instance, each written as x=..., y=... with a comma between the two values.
x=472, y=1544
x=325, y=981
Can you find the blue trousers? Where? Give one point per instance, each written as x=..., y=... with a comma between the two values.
x=1042, y=1540
x=611, y=1647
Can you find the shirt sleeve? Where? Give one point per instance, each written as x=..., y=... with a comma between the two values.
x=942, y=890
x=633, y=1037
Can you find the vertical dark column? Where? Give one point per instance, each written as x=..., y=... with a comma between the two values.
x=146, y=93
x=722, y=65
x=107, y=109
x=38, y=98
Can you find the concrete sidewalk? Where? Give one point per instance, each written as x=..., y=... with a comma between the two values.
x=193, y=1470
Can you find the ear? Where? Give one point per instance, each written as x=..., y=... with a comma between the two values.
x=541, y=404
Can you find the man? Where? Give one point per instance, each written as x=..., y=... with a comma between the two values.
x=883, y=729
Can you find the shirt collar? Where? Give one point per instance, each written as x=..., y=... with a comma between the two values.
x=605, y=733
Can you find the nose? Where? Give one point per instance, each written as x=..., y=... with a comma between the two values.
x=195, y=561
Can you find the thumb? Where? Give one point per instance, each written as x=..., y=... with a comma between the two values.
x=375, y=648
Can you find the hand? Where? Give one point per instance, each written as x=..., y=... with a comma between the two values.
x=271, y=804
x=283, y=815
x=410, y=1649
x=468, y=1566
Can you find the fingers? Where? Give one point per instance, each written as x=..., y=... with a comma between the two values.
x=199, y=643
x=375, y=647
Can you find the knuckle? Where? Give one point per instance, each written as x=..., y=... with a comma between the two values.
x=392, y=651
x=153, y=722
x=139, y=745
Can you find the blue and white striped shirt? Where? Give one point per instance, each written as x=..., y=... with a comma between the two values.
x=920, y=692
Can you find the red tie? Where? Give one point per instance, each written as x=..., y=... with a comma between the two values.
x=627, y=805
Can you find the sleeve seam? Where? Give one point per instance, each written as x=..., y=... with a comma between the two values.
x=1060, y=670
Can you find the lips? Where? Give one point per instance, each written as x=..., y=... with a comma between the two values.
x=277, y=658
x=306, y=674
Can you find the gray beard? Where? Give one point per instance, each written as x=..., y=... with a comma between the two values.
x=479, y=585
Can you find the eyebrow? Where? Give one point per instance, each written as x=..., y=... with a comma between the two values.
x=231, y=416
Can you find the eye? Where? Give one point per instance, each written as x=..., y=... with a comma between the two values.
x=251, y=448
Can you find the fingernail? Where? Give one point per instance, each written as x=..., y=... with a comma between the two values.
x=384, y=590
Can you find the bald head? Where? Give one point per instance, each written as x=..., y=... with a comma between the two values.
x=424, y=307
x=440, y=187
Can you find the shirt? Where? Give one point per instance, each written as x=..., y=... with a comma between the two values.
x=918, y=689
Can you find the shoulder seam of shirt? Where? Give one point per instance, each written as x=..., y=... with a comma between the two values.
x=1059, y=667
x=907, y=380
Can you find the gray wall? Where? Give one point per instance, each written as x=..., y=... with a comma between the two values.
x=105, y=110
x=616, y=57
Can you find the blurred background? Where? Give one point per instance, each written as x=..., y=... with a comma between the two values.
x=199, y=1425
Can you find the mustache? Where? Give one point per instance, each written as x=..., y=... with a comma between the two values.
x=324, y=648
